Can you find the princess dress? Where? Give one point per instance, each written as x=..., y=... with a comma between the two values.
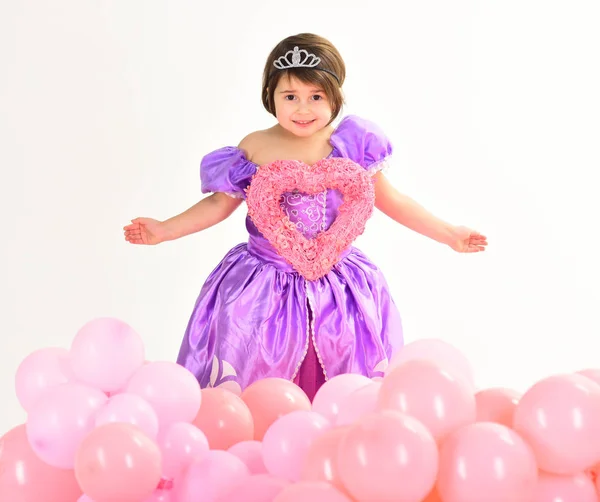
x=257, y=317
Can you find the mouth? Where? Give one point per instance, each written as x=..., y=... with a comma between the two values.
x=303, y=123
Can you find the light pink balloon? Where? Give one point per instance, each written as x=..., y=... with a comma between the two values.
x=60, y=419
x=557, y=488
x=559, y=417
x=211, y=478
x=118, y=462
x=486, y=461
x=130, y=409
x=105, y=353
x=256, y=488
x=181, y=445
x=250, y=452
x=312, y=491
x=287, y=441
x=84, y=498
x=426, y=391
x=39, y=371
x=388, y=456
x=161, y=496
x=171, y=390
x=438, y=352
x=358, y=404
x=497, y=405
x=592, y=373
x=328, y=397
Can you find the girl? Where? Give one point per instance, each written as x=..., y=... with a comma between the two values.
x=297, y=301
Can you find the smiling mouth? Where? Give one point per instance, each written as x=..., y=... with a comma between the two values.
x=303, y=122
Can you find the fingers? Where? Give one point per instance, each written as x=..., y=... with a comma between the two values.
x=133, y=233
x=136, y=240
x=474, y=249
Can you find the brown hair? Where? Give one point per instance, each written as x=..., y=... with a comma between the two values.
x=331, y=60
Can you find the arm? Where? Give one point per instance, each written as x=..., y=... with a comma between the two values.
x=208, y=212
x=409, y=213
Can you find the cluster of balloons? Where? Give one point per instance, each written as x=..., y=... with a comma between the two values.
x=105, y=425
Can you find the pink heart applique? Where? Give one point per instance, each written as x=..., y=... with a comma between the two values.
x=311, y=258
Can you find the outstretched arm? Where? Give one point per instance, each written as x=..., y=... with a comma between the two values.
x=409, y=213
x=202, y=215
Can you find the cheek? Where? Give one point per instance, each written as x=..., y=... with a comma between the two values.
x=283, y=108
x=324, y=110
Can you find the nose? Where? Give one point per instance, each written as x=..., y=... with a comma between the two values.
x=303, y=106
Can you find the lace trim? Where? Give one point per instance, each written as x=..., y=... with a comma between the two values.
x=382, y=165
x=312, y=333
x=299, y=365
x=234, y=195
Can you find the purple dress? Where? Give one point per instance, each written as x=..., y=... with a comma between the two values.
x=256, y=317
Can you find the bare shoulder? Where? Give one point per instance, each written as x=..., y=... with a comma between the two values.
x=256, y=142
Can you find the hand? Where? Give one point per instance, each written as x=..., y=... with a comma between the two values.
x=466, y=240
x=144, y=231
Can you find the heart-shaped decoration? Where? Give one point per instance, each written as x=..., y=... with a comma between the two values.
x=311, y=258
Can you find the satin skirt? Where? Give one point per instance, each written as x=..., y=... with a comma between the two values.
x=256, y=317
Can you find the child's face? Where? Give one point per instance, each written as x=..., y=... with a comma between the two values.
x=302, y=109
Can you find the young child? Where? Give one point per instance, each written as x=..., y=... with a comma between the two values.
x=260, y=314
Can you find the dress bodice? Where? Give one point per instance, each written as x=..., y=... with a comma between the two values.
x=228, y=170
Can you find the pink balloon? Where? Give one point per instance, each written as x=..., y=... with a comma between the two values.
x=171, y=390
x=426, y=391
x=161, y=496
x=271, y=398
x=311, y=491
x=388, y=456
x=130, y=409
x=105, y=353
x=328, y=397
x=224, y=418
x=592, y=373
x=497, y=405
x=211, y=478
x=287, y=441
x=257, y=488
x=24, y=477
x=559, y=417
x=250, y=452
x=118, y=462
x=358, y=404
x=84, y=498
x=557, y=488
x=60, y=419
x=321, y=461
x=438, y=352
x=40, y=370
x=486, y=461
x=181, y=445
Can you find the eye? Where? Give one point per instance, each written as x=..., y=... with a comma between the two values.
x=288, y=97
x=318, y=97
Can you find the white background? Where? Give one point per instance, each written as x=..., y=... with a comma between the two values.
x=107, y=107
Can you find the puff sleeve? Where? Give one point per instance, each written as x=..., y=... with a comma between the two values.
x=226, y=170
x=363, y=142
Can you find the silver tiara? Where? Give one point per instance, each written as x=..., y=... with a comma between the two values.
x=300, y=59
